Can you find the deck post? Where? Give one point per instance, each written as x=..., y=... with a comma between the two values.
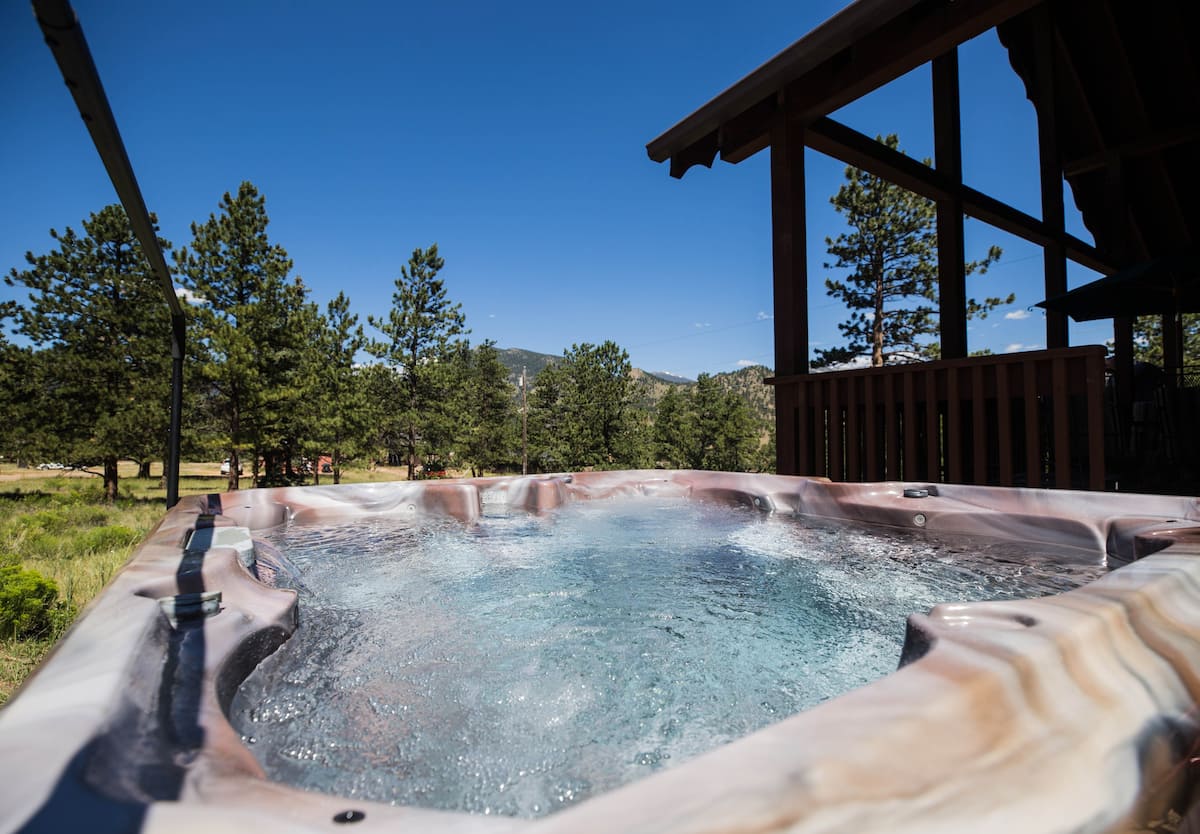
x=789, y=248
x=1054, y=255
x=947, y=142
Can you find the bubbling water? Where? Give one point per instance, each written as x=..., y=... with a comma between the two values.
x=523, y=663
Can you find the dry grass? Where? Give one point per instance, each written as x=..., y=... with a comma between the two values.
x=55, y=523
x=18, y=658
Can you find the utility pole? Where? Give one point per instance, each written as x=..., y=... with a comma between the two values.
x=524, y=428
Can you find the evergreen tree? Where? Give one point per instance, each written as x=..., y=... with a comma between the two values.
x=335, y=399
x=1148, y=340
x=673, y=423
x=383, y=391
x=892, y=290
x=548, y=443
x=247, y=345
x=722, y=429
x=281, y=435
x=583, y=414
x=420, y=333
x=17, y=394
x=96, y=311
x=487, y=409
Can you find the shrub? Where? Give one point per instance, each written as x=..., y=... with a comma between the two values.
x=112, y=537
x=29, y=604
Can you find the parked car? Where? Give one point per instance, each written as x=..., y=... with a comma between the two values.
x=225, y=468
x=50, y=466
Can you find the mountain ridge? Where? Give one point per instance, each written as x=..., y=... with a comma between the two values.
x=746, y=382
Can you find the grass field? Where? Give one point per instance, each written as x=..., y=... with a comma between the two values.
x=55, y=523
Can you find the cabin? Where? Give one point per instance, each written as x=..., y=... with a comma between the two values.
x=1116, y=89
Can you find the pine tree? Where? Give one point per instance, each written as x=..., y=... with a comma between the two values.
x=583, y=415
x=673, y=441
x=487, y=410
x=420, y=333
x=334, y=404
x=1148, y=340
x=892, y=290
x=722, y=429
x=383, y=391
x=548, y=441
x=18, y=393
x=248, y=347
x=103, y=369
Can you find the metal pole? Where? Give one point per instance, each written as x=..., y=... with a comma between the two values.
x=63, y=34
x=173, y=442
x=524, y=427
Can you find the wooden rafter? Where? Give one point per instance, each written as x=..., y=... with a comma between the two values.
x=1152, y=142
x=848, y=64
x=857, y=149
x=1136, y=113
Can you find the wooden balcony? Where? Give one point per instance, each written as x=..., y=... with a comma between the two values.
x=1021, y=419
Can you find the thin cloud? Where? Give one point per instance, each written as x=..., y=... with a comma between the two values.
x=746, y=363
x=1017, y=347
x=763, y=315
x=700, y=325
x=188, y=297
x=1016, y=315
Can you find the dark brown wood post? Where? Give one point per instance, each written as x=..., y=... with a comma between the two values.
x=1122, y=247
x=1054, y=255
x=1172, y=347
x=1123, y=378
x=789, y=247
x=947, y=144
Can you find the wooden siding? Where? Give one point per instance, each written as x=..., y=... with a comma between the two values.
x=1022, y=419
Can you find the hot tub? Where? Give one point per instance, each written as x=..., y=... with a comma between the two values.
x=1068, y=713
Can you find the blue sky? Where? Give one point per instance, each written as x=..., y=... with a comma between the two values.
x=511, y=134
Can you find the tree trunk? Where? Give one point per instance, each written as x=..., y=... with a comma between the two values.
x=877, y=326
x=412, y=453
x=110, y=480
x=144, y=469
x=232, y=482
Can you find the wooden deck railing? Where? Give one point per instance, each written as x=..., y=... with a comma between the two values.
x=1020, y=419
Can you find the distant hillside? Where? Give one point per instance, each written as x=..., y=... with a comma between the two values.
x=746, y=382
x=672, y=378
x=515, y=359
x=651, y=388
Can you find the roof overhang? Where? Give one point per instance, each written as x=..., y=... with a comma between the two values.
x=863, y=47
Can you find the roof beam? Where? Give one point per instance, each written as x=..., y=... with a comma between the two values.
x=845, y=27
x=1137, y=111
x=890, y=49
x=1153, y=143
x=857, y=149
